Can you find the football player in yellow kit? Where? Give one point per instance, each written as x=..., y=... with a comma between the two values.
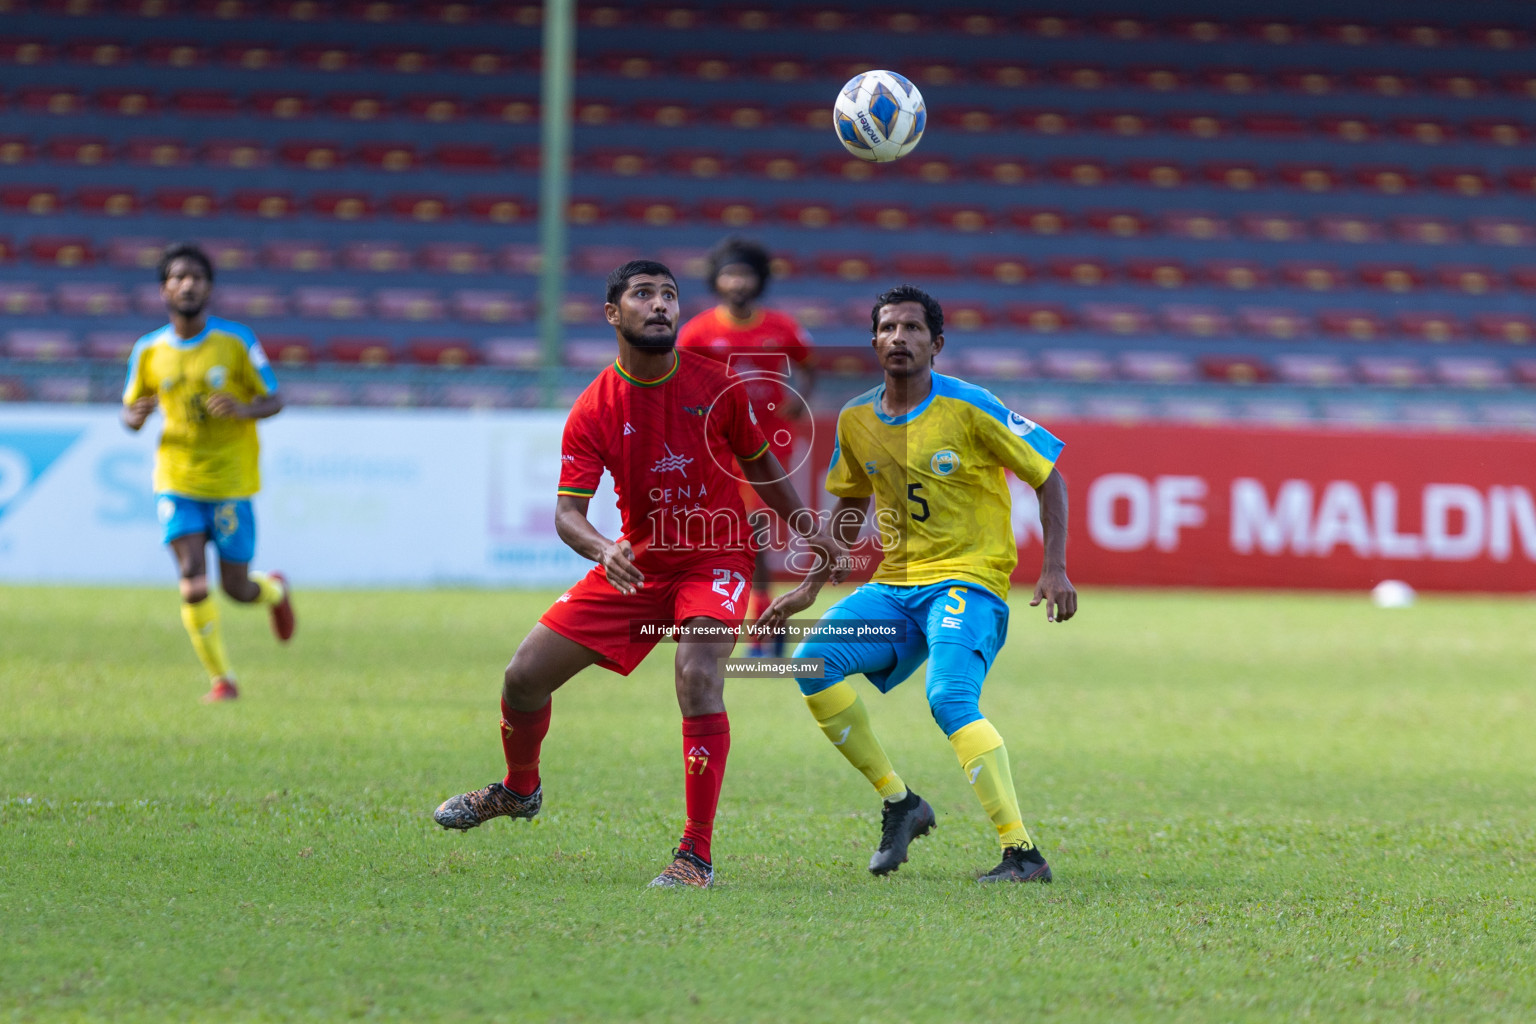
x=212, y=381
x=930, y=451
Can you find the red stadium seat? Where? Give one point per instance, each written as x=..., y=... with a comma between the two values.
x=1010, y=363
x=807, y=213
x=1392, y=277
x=1159, y=273
x=455, y=258
x=157, y=152
x=91, y=299
x=131, y=253
x=932, y=170
x=1041, y=220
x=509, y=109
x=1040, y=317
x=1196, y=225
x=312, y=155
x=1240, y=177
x=513, y=353
x=848, y=266
x=1003, y=269
x=37, y=200
x=1383, y=83
x=1235, y=369
x=1346, y=128
x=598, y=260
x=886, y=216
x=486, y=306
x=1349, y=228
x=377, y=257
x=16, y=150
x=1087, y=77
x=1239, y=275
x=1427, y=230
x=205, y=103
x=923, y=266
x=1392, y=371
x=1471, y=372
x=1273, y=227
x=186, y=202
x=1438, y=328
x=241, y=154
x=340, y=205
x=1275, y=126
x=1523, y=277
x=297, y=255
x=1388, y=180
x=107, y=202
x=816, y=117
x=389, y=156
x=1310, y=177
x=1158, y=78
x=1086, y=172
x=623, y=162
x=665, y=113
x=422, y=207
x=587, y=210
x=1466, y=181
x=1198, y=125
x=43, y=100
x=1459, y=86
x=44, y=346
x=1118, y=223
x=329, y=303
x=444, y=352
x=780, y=165
x=417, y=304
x=971, y=119
x=174, y=54
x=1004, y=170
x=499, y=209
x=1157, y=173
x=1496, y=37
x=1472, y=280
x=1312, y=370
x=435, y=108
x=249, y=301
x=466, y=157
x=361, y=351
x=1501, y=231
x=1313, y=275
x=1512, y=328
x=732, y=213
x=86, y=152
x=814, y=313
x=26, y=52
x=1308, y=81
x=520, y=258
x=282, y=105
x=966, y=315
x=698, y=163
x=251, y=57
x=1045, y=122
x=1157, y=367
x=1499, y=131
x=966, y=217
x=110, y=346
x=597, y=113
x=1234, y=81
x=60, y=250
x=654, y=211
x=1524, y=371
x=357, y=106
x=405, y=60
x=1196, y=321
x=1352, y=324
x=288, y=350
x=1273, y=322
x=1050, y=26
x=1076, y=364
x=270, y=204
x=22, y=298
x=7, y=250
x=127, y=102
x=1085, y=271
x=230, y=253
x=839, y=164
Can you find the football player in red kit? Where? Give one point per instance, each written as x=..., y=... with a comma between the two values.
x=677, y=433
x=768, y=348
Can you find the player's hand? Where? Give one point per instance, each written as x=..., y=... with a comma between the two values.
x=785, y=606
x=831, y=553
x=618, y=565
x=1058, y=594
x=139, y=409
x=224, y=407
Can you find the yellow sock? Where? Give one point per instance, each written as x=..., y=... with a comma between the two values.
x=840, y=712
x=271, y=590
x=202, y=622
x=985, y=761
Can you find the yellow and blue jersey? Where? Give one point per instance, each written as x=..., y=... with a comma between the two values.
x=202, y=456
x=942, y=508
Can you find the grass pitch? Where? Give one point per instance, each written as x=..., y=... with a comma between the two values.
x=1257, y=807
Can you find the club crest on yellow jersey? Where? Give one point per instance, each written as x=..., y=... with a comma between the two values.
x=944, y=462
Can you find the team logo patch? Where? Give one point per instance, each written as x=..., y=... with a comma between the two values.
x=1020, y=425
x=944, y=462
x=671, y=461
x=217, y=376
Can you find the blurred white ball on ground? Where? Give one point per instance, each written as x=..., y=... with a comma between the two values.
x=1392, y=594
x=879, y=116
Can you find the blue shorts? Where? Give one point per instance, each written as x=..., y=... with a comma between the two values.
x=230, y=524
x=959, y=625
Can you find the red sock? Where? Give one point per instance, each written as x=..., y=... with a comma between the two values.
x=706, y=742
x=522, y=732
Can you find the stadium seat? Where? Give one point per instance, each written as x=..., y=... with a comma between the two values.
x=241, y=301
x=244, y=154
x=1352, y=324
x=698, y=163
x=205, y=103
x=445, y=352
x=1086, y=172
x=1040, y=317
x=268, y=204
x=1197, y=321
x=498, y=209
x=342, y=205
x=1156, y=367
x=512, y=353
x=1125, y=123
x=472, y=157
x=1083, y=365
x=56, y=101
x=186, y=202
x=1513, y=328
x=1471, y=372
x=1238, y=176
x=1235, y=369
x=779, y=165
x=110, y=346
x=107, y=202
x=128, y=102
x=37, y=200
x=16, y=150
x=85, y=151
x=1427, y=230
x=923, y=266
x=1273, y=227
x=363, y=351
x=1239, y=275
x=1438, y=328
x=814, y=313
x=282, y=105
x=417, y=304
x=1523, y=277
x=966, y=217
x=389, y=156
x=1118, y=223
x=1392, y=277
x=1273, y=322
x=1524, y=371
x=454, y=258
x=840, y=165
x=1277, y=126
x=479, y=305
x=1502, y=231
x=320, y=57
x=134, y=253
x=312, y=155
x=289, y=350
x=358, y=106
x=995, y=362
x=1498, y=131
x=486, y=395
x=1157, y=173
x=1158, y=273
x=1198, y=125
x=653, y=211
x=156, y=152
x=520, y=258
x=1465, y=181
x=60, y=250
x=438, y=109
x=847, y=266
x=959, y=315
x=731, y=213
x=91, y=299
x=1392, y=371
x=806, y=213
x=1003, y=269
x=1196, y=225
x=1312, y=370
x=1085, y=271
x=297, y=255
x=42, y=346
x=329, y=303
x=1348, y=228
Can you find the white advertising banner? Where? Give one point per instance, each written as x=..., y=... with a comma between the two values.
x=349, y=498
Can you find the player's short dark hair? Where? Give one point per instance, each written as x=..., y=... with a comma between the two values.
x=184, y=251
x=744, y=251
x=933, y=313
x=619, y=279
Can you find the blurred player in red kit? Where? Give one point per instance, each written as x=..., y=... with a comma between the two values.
x=769, y=349
x=678, y=434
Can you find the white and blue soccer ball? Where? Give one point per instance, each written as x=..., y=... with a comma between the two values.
x=879, y=116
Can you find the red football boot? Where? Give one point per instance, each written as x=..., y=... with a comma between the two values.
x=223, y=689
x=283, y=622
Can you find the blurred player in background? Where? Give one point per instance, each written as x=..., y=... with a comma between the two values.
x=677, y=433
x=768, y=348
x=931, y=451
x=212, y=381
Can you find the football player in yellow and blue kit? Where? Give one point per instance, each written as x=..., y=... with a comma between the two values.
x=212, y=381
x=931, y=451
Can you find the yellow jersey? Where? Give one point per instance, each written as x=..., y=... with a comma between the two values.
x=942, y=509
x=201, y=456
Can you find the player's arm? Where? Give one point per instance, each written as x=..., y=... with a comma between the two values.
x=224, y=406
x=1054, y=588
x=137, y=411
x=768, y=479
x=616, y=557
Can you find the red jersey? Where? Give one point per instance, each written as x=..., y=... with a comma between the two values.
x=671, y=446
x=755, y=349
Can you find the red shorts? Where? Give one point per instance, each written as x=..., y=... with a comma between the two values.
x=607, y=622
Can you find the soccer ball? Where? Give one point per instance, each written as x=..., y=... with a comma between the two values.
x=879, y=116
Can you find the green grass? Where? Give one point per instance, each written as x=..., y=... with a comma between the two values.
x=1257, y=807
